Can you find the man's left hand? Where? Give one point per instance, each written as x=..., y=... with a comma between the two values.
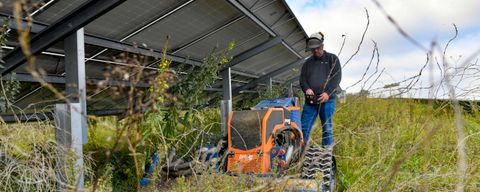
x=323, y=97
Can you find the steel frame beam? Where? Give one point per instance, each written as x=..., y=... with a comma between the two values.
x=255, y=3
x=29, y=117
x=26, y=117
x=265, y=77
x=156, y=20
x=54, y=79
x=282, y=23
x=59, y=31
x=253, y=51
x=196, y=40
x=294, y=31
x=43, y=7
x=122, y=46
x=263, y=5
x=279, y=19
x=253, y=17
x=257, y=21
x=293, y=79
x=112, y=44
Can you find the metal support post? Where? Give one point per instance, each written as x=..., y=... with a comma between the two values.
x=226, y=104
x=290, y=89
x=71, y=117
x=269, y=84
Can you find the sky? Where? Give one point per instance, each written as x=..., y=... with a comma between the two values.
x=426, y=21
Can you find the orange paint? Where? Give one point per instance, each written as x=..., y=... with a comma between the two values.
x=251, y=161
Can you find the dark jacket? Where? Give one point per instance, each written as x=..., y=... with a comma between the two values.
x=321, y=74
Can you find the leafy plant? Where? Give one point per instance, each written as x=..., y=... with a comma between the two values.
x=182, y=114
x=251, y=99
x=9, y=87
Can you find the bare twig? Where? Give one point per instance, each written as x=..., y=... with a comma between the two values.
x=375, y=50
x=361, y=40
x=397, y=26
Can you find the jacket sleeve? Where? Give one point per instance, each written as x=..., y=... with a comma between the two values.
x=335, y=76
x=303, y=78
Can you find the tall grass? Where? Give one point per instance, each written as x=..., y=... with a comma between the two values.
x=373, y=137
x=401, y=145
x=29, y=157
x=381, y=145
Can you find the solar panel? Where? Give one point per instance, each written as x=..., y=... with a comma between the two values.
x=240, y=31
x=267, y=61
x=186, y=24
x=129, y=16
x=194, y=27
x=9, y=5
x=57, y=10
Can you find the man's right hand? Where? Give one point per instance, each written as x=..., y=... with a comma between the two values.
x=309, y=92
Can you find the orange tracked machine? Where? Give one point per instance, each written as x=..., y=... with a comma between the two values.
x=266, y=139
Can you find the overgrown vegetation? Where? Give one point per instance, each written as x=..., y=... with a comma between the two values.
x=10, y=86
x=165, y=118
x=372, y=137
x=401, y=145
x=249, y=100
x=166, y=121
x=29, y=157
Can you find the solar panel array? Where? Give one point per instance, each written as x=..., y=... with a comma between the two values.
x=194, y=28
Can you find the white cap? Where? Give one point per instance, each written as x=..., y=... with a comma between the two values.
x=315, y=40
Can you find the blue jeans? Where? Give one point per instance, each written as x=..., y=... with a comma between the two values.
x=309, y=115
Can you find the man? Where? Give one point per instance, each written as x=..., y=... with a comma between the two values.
x=319, y=79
